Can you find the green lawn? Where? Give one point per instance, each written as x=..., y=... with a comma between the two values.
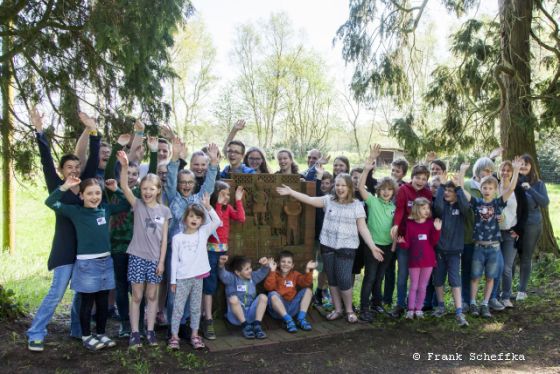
x=26, y=271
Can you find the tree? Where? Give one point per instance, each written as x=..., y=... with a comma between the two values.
x=108, y=55
x=490, y=87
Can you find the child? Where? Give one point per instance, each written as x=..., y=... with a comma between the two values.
x=147, y=248
x=284, y=299
x=219, y=246
x=381, y=210
x=452, y=207
x=487, y=236
x=189, y=265
x=245, y=307
x=92, y=275
x=421, y=236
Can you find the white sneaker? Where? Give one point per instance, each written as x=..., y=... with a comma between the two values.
x=507, y=303
x=409, y=314
x=521, y=296
x=419, y=314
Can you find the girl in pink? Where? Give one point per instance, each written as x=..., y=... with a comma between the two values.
x=422, y=235
x=218, y=246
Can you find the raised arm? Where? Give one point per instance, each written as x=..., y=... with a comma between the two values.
x=136, y=141
x=81, y=145
x=214, y=220
x=153, y=147
x=210, y=178
x=374, y=151
x=123, y=159
x=173, y=170
x=317, y=202
x=369, y=165
x=462, y=170
x=53, y=201
x=238, y=126
x=51, y=177
x=111, y=168
x=238, y=214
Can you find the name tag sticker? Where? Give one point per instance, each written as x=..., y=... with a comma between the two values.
x=101, y=221
x=455, y=212
x=158, y=219
x=422, y=237
x=241, y=288
x=288, y=283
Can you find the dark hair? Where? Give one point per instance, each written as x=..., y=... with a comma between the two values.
x=402, y=164
x=532, y=177
x=198, y=210
x=356, y=170
x=327, y=175
x=237, y=263
x=199, y=154
x=89, y=182
x=293, y=167
x=239, y=143
x=163, y=140
x=420, y=169
x=439, y=163
x=263, y=168
x=105, y=144
x=133, y=164
x=285, y=254
x=450, y=184
x=69, y=157
x=219, y=186
x=345, y=160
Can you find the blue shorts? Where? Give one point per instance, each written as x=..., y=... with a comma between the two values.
x=93, y=275
x=141, y=270
x=447, y=264
x=485, y=261
x=250, y=313
x=210, y=283
x=292, y=306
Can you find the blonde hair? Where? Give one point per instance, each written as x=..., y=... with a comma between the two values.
x=489, y=180
x=348, y=180
x=418, y=203
x=386, y=182
x=156, y=181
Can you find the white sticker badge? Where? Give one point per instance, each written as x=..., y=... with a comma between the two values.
x=241, y=288
x=422, y=237
x=101, y=221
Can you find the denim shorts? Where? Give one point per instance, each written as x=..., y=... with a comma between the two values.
x=292, y=306
x=250, y=312
x=141, y=270
x=485, y=261
x=447, y=264
x=210, y=283
x=93, y=275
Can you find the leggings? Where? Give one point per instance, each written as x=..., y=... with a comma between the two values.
x=101, y=299
x=419, y=278
x=187, y=289
x=338, y=263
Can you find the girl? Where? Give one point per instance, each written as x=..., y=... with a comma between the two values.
x=344, y=218
x=92, y=275
x=256, y=160
x=245, y=307
x=189, y=265
x=421, y=236
x=341, y=164
x=218, y=246
x=536, y=198
x=147, y=248
x=286, y=162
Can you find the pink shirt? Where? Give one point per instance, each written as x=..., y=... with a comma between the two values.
x=420, y=240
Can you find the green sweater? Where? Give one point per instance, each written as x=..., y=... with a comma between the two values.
x=92, y=224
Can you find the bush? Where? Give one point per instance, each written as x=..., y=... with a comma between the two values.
x=9, y=308
x=548, y=151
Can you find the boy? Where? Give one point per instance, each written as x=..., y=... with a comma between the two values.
x=406, y=195
x=487, y=235
x=234, y=152
x=284, y=300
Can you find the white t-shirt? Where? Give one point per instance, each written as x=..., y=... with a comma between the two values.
x=340, y=229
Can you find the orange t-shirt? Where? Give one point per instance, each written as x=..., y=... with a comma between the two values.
x=287, y=286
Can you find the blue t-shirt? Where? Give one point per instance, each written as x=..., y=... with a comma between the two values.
x=486, y=226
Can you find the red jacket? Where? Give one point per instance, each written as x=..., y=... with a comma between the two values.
x=225, y=212
x=287, y=286
x=420, y=240
x=405, y=197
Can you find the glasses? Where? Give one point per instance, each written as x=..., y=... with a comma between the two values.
x=162, y=173
x=188, y=183
x=255, y=159
x=233, y=152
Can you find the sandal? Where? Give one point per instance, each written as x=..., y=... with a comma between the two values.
x=107, y=342
x=351, y=317
x=197, y=343
x=173, y=343
x=334, y=315
x=92, y=343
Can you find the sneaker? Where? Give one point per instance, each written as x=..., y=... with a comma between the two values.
x=485, y=311
x=151, y=337
x=473, y=309
x=439, y=312
x=134, y=342
x=247, y=331
x=208, y=330
x=259, y=333
x=35, y=345
x=397, y=311
x=409, y=314
x=461, y=320
x=124, y=330
x=366, y=316
x=289, y=325
x=521, y=296
x=507, y=303
x=304, y=325
x=494, y=304
x=377, y=309
x=419, y=314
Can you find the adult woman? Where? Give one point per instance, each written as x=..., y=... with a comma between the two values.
x=344, y=219
x=286, y=162
x=256, y=160
x=341, y=164
x=537, y=198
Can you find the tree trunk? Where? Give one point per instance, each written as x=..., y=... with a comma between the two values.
x=517, y=120
x=6, y=131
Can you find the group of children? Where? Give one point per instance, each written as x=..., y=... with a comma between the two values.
x=164, y=234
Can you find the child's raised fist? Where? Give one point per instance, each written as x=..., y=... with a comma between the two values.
x=239, y=193
x=437, y=224
x=263, y=261
x=122, y=157
x=222, y=260
x=272, y=264
x=111, y=185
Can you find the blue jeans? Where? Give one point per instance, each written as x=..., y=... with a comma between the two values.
x=496, y=287
x=38, y=328
x=486, y=261
x=292, y=307
x=402, y=276
x=508, y=253
x=466, y=265
x=529, y=240
x=389, y=286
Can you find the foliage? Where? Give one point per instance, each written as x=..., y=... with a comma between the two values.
x=9, y=308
